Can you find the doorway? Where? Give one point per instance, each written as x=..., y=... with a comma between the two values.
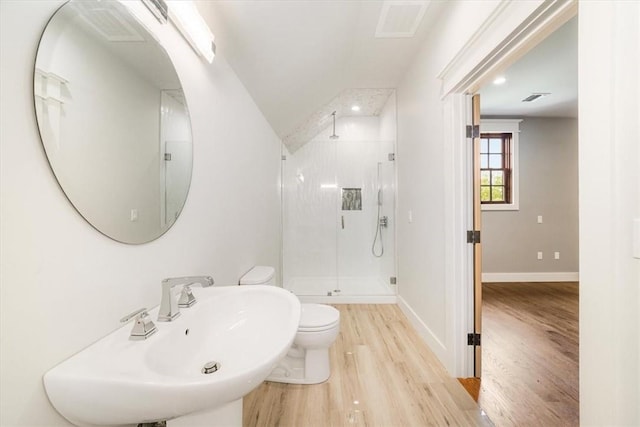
x=527, y=163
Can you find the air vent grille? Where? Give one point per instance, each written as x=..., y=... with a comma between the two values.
x=400, y=18
x=535, y=96
x=111, y=24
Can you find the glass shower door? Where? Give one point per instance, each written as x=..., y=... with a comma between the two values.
x=310, y=196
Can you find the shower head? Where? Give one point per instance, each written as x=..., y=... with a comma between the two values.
x=333, y=135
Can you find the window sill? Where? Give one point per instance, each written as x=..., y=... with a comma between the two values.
x=510, y=207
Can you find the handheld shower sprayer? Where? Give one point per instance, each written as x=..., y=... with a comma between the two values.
x=380, y=221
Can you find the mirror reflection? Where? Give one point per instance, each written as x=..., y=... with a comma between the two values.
x=113, y=120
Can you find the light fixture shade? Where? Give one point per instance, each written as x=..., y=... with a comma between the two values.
x=185, y=16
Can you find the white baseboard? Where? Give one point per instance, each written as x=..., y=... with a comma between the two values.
x=531, y=277
x=423, y=330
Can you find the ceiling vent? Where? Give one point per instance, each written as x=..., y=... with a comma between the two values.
x=109, y=22
x=535, y=96
x=400, y=19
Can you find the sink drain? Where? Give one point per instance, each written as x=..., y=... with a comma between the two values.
x=210, y=367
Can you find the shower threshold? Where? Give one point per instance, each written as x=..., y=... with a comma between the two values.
x=345, y=290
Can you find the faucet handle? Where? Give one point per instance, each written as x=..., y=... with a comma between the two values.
x=141, y=311
x=186, y=297
x=143, y=326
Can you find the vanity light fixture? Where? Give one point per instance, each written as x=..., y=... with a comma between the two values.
x=158, y=8
x=193, y=27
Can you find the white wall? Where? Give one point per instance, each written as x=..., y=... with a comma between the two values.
x=63, y=285
x=421, y=181
x=609, y=180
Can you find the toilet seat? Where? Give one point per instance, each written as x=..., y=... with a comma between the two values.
x=317, y=317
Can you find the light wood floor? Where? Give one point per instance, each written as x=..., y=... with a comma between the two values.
x=382, y=375
x=530, y=354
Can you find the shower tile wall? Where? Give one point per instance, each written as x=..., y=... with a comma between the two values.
x=316, y=249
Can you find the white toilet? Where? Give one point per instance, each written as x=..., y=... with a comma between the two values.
x=307, y=362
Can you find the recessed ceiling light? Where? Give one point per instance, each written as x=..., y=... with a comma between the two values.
x=500, y=80
x=355, y=108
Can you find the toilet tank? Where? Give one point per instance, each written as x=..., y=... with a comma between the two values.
x=259, y=275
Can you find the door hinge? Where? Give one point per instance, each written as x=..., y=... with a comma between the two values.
x=473, y=131
x=167, y=157
x=473, y=236
x=284, y=157
x=473, y=339
x=391, y=156
x=393, y=280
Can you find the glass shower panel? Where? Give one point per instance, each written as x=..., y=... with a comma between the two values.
x=310, y=197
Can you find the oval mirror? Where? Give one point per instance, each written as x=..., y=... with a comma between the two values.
x=113, y=120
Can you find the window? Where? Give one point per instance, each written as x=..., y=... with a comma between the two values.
x=499, y=164
x=495, y=168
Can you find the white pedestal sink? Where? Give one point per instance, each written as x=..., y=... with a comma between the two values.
x=116, y=381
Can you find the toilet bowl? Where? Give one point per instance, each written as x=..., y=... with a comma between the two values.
x=307, y=361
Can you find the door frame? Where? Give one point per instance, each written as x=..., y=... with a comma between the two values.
x=510, y=31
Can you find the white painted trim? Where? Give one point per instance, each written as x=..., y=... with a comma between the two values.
x=423, y=330
x=458, y=282
x=354, y=299
x=511, y=126
x=531, y=277
x=497, y=44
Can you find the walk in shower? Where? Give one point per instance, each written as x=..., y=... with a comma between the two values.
x=338, y=211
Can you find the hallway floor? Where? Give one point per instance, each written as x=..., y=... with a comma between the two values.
x=383, y=374
x=530, y=354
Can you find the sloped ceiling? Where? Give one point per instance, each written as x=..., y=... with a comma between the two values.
x=297, y=57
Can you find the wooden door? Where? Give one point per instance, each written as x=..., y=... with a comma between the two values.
x=477, y=247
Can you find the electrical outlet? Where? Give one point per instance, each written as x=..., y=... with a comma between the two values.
x=539, y=219
x=134, y=215
x=556, y=255
x=539, y=255
x=410, y=216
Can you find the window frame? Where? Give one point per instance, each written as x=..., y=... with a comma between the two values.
x=511, y=126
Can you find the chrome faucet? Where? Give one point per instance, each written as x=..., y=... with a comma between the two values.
x=169, y=307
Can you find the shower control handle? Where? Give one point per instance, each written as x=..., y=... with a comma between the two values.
x=384, y=221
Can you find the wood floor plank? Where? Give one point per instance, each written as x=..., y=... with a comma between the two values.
x=530, y=354
x=383, y=374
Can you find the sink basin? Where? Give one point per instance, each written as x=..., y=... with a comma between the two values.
x=245, y=329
